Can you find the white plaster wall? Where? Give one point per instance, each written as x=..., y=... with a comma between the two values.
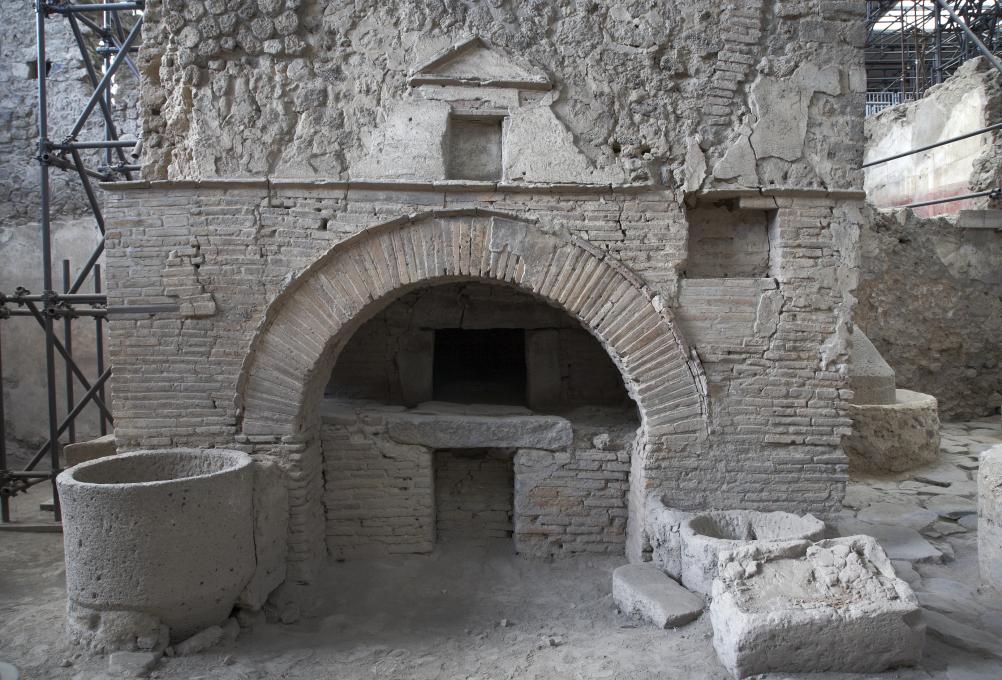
x=959, y=106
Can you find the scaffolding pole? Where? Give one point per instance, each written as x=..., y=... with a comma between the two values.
x=117, y=40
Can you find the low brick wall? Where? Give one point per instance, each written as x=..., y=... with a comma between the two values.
x=383, y=497
x=570, y=502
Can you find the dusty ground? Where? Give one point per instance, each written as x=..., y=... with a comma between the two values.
x=483, y=613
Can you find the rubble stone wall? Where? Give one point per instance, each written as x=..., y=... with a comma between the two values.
x=930, y=300
x=743, y=93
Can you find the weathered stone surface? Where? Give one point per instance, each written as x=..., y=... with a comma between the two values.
x=456, y=431
x=781, y=107
x=115, y=630
x=831, y=606
x=199, y=642
x=519, y=70
x=80, y=452
x=186, y=572
x=132, y=664
x=871, y=379
x=664, y=529
x=642, y=590
x=894, y=437
x=706, y=535
x=900, y=514
x=899, y=542
x=990, y=517
x=963, y=636
x=930, y=299
x=687, y=546
x=271, y=527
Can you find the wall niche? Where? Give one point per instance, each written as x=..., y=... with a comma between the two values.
x=728, y=242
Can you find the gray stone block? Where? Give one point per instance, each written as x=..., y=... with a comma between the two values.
x=642, y=590
x=132, y=664
x=687, y=545
x=415, y=365
x=802, y=607
x=705, y=536
x=542, y=369
x=462, y=431
x=899, y=542
x=271, y=528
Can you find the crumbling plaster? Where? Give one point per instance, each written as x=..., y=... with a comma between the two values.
x=969, y=100
x=299, y=89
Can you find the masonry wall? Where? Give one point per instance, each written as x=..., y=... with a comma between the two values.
x=776, y=398
x=382, y=497
x=474, y=492
x=658, y=107
x=248, y=241
x=376, y=362
x=930, y=299
x=688, y=93
x=379, y=495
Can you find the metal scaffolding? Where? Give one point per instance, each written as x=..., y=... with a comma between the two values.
x=106, y=35
x=914, y=44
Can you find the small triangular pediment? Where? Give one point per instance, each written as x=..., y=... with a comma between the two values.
x=474, y=63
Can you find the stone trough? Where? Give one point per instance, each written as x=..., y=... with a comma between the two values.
x=802, y=607
x=159, y=544
x=687, y=545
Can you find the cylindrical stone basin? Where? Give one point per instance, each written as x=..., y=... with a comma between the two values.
x=705, y=535
x=162, y=535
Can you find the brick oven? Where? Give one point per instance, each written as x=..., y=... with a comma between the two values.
x=450, y=311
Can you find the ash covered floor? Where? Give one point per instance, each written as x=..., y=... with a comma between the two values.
x=480, y=612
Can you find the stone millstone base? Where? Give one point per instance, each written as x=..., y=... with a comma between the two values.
x=990, y=517
x=894, y=437
x=833, y=606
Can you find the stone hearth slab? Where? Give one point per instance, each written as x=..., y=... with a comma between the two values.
x=452, y=428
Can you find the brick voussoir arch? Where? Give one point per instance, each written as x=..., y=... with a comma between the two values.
x=327, y=302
